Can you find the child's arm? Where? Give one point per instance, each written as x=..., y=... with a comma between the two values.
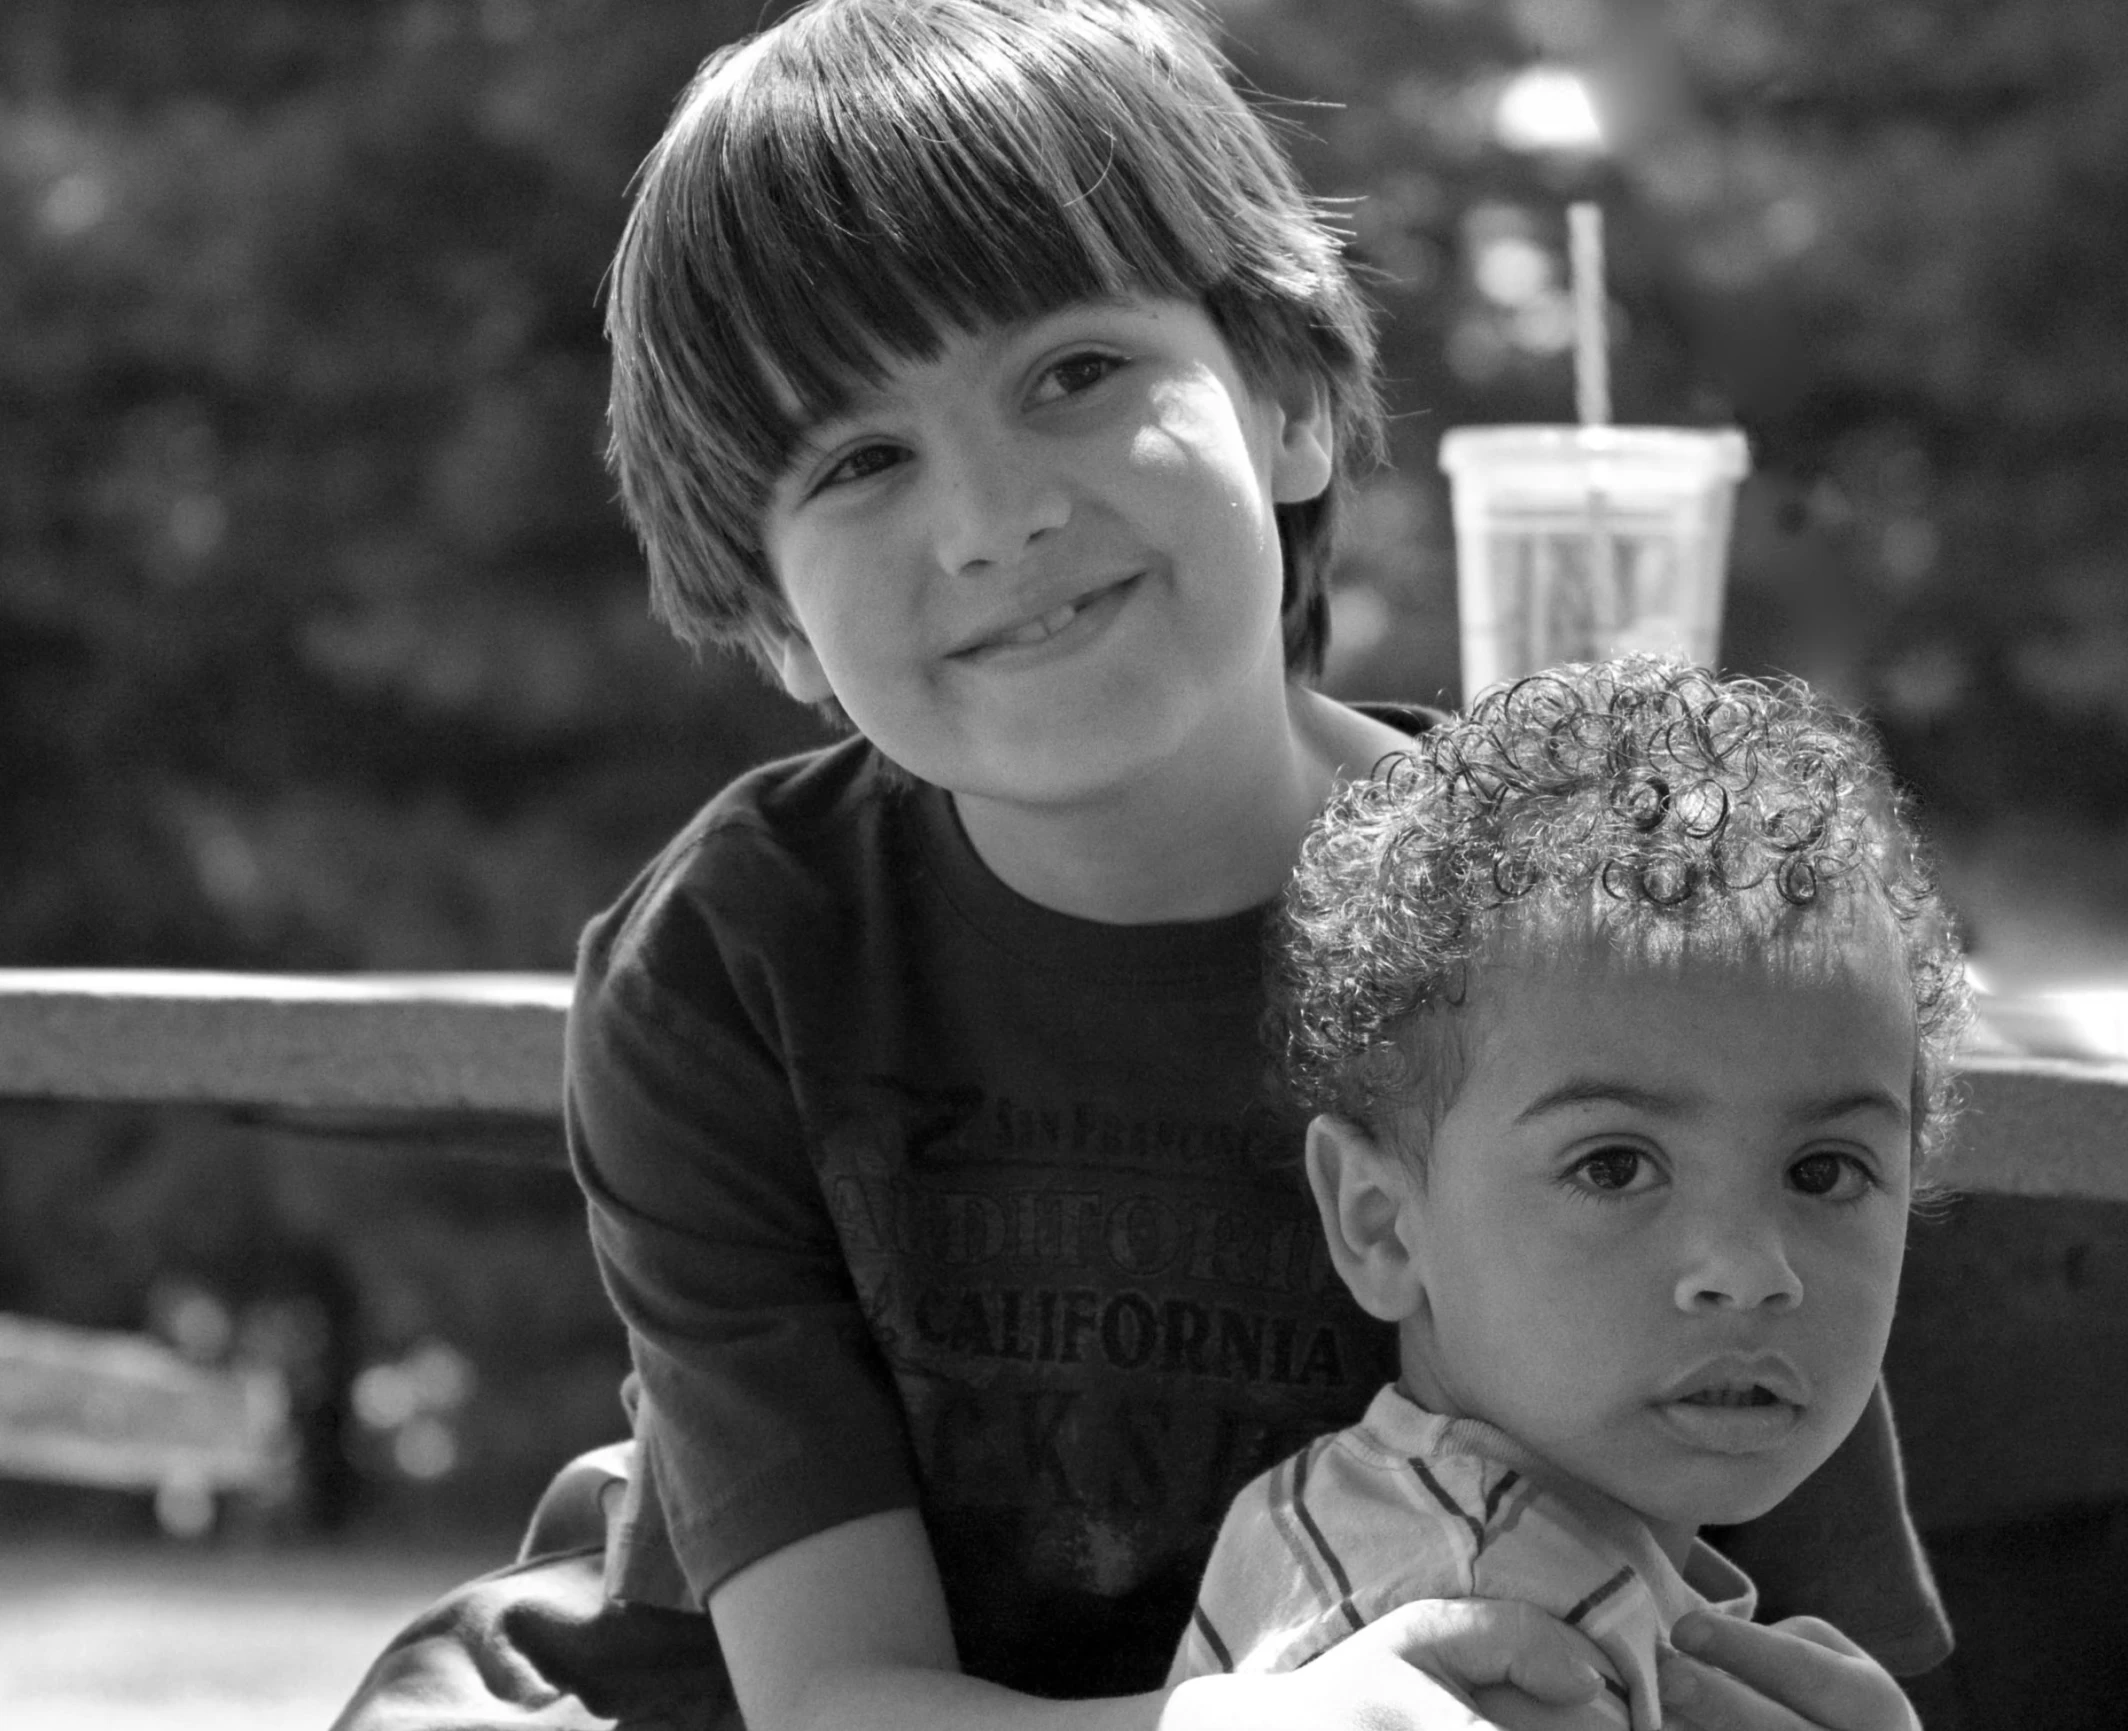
x=848, y=1629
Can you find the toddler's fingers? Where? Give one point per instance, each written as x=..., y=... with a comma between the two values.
x=1474, y=1643
x=1697, y=1697
x=1808, y=1670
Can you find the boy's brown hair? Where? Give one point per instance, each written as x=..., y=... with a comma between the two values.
x=840, y=192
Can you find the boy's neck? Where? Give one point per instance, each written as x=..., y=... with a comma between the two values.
x=1192, y=841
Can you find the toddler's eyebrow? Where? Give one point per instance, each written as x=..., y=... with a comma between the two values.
x=1600, y=1090
x=1879, y=1101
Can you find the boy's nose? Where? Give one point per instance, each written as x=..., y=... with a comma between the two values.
x=992, y=499
x=1739, y=1265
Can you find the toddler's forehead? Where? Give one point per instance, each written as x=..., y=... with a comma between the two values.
x=1846, y=927
x=1850, y=940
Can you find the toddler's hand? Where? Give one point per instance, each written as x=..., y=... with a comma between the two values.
x=1411, y=1670
x=1798, y=1675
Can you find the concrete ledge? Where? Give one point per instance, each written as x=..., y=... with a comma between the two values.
x=349, y=1043
x=2035, y=1126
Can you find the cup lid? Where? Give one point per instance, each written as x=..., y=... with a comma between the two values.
x=1718, y=453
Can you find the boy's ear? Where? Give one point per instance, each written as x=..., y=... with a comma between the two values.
x=798, y=669
x=1364, y=1193
x=1306, y=456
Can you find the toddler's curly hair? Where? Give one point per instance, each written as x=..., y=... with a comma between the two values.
x=1640, y=800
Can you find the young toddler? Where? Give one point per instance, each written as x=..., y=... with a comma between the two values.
x=1625, y=1007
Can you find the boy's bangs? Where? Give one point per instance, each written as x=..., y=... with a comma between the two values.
x=875, y=217
x=842, y=194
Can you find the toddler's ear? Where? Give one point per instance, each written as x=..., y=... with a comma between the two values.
x=798, y=668
x=1363, y=1192
x=1306, y=457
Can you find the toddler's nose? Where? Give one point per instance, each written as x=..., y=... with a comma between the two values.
x=1739, y=1265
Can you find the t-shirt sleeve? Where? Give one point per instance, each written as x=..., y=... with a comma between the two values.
x=764, y=1411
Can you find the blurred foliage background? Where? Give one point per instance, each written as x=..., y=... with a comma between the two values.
x=323, y=645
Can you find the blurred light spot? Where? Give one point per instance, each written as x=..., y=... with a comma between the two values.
x=77, y=202
x=1829, y=506
x=224, y=862
x=1791, y=226
x=433, y=1378
x=191, y=1319
x=1547, y=108
x=1359, y=619
x=1511, y=270
x=443, y=1374
x=384, y=1397
x=184, y=1508
x=425, y=1448
x=1908, y=549
x=197, y=524
x=1394, y=519
x=1544, y=326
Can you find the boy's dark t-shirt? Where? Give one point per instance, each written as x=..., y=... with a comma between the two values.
x=914, y=1192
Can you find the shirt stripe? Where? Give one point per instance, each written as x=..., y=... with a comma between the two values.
x=1439, y=1493
x=1210, y=1637
x=1323, y=1546
x=1617, y=1583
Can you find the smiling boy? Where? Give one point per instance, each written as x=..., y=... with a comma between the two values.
x=1626, y=1009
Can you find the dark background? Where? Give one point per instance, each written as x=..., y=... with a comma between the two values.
x=323, y=645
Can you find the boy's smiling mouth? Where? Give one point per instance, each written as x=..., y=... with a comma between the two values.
x=1092, y=607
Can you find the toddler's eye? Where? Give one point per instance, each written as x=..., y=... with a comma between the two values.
x=1074, y=373
x=1836, y=1177
x=1614, y=1171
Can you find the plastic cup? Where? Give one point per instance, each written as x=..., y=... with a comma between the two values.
x=1579, y=543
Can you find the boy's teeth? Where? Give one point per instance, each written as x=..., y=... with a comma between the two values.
x=1731, y=1397
x=1047, y=626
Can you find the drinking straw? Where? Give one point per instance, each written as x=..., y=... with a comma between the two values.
x=1592, y=398
x=1592, y=364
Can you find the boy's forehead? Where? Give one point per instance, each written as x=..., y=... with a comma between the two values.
x=861, y=390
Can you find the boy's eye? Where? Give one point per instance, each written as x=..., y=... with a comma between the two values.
x=1614, y=1171
x=1835, y=1177
x=860, y=464
x=1073, y=374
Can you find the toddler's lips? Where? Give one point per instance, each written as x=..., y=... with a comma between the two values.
x=1737, y=1404
x=1732, y=1418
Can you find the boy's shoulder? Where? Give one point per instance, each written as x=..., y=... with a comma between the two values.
x=777, y=846
x=793, y=799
